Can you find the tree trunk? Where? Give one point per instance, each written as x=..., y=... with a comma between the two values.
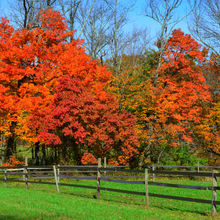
x=44, y=155
x=11, y=147
x=3, y=147
x=32, y=152
x=55, y=154
x=37, y=149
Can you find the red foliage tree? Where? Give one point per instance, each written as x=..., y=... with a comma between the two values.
x=88, y=120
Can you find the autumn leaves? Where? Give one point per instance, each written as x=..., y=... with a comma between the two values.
x=52, y=93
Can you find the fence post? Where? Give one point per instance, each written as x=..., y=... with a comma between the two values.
x=55, y=176
x=146, y=188
x=5, y=177
x=98, y=178
x=26, y=177
x=153, y=168
x=214, y=192
x=198, y=170
x=24, y=169
x=105, y=164
x=58, y=174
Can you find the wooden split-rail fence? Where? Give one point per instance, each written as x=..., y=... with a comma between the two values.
x=30, y=174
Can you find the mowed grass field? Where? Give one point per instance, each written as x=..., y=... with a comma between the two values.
x=43, y=202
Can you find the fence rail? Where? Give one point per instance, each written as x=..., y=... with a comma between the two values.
x=186, y=166
x=28, y=174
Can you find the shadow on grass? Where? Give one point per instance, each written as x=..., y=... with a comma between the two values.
x=138, y=202
x=122, y=199
x=9, y=217
x=166, y=207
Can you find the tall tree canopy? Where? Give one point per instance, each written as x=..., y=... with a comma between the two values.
x=168, y=111
x=184, y=94
x=55, y=93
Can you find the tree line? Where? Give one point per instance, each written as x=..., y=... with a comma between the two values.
x=111, y=94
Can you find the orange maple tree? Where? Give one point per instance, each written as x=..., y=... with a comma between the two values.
x=182, y=93
x=207, y=132
x=50, y=88
x=28, y=72
x=168, y=111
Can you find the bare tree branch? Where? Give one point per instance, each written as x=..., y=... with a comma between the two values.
x=163, y=12
x=86, y=19
x=205, y=24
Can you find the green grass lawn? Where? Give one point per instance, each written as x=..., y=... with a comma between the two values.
x=43, y=202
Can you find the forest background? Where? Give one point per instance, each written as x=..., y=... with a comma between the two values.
x=133, y=92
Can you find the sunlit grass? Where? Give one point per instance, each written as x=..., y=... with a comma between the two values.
x=43, y=202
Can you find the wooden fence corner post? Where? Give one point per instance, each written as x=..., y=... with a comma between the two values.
x=58, y=174
x=146, y=188
x=26, y=177
x=98, y=178
x=214, y=192
x=5, y=177
x=56, y=179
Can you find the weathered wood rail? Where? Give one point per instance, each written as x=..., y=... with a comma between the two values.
x=29, y=174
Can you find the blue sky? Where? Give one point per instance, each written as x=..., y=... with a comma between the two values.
x=3, y=6
x=136, y=18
